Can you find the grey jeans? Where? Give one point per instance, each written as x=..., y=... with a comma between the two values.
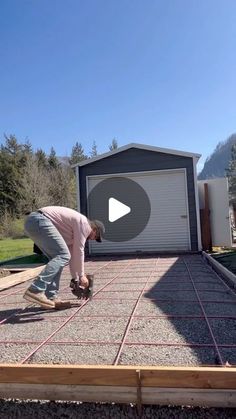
x=45, y=235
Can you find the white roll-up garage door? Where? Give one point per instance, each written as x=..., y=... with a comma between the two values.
x=168, y=226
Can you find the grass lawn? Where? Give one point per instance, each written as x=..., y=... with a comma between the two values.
x=10, y=248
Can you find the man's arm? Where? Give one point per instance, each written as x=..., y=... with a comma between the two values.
x=80, y=234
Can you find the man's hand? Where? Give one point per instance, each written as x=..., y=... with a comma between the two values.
x=83, y=289
x=83, y=281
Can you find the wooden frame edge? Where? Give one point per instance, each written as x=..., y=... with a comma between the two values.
x=118, y=394
x=192, y=386
x=108, y=375
x=220, y=269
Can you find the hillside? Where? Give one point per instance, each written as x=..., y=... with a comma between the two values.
x=218, y=162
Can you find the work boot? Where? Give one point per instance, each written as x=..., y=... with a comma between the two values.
x=55, y=299
x=38, y=298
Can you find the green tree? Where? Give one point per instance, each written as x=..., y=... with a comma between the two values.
x=113, y=145
x=41, y=158
x=13, y=159
x=231, y=174
x=94, y=151
x=77, y=154
x=62, y=187
x=53, y=160
x=36, y=186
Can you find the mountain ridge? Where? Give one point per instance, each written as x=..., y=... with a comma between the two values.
x=217, y=163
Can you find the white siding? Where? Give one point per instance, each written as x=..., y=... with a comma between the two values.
x=219, y=210
x=166, y=230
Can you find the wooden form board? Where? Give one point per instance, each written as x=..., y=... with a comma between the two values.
x=208, y=386
x=179, y=377
x=118, y=394
x=18, y=278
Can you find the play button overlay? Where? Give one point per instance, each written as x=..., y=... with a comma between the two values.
x=122, y=205
x=117, y=210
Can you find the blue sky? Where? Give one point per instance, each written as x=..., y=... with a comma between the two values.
x=159, y=72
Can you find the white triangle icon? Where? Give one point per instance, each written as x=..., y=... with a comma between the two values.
x=117, y=209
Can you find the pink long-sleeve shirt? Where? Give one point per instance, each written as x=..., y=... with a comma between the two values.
x=75, y=229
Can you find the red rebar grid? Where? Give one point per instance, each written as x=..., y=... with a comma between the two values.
x=172, y=344
x=137, y=316
x=20, y=310
x=118, y=342
x=131, y=318
x=11, y=293
x=71, y=317
x=125, y=291
x=218, y=276
x=160, y=300
x=205, y=316
x=140, y=343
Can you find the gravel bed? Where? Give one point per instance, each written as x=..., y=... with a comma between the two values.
x=224, y=330
x=120, y=281
x=75, y=354
x=173, y=271
x=100, y=284
x=201, y=270
x=151, y=308
x=216, y=296
x=7, y=312
x=92, y=329
x=19, y=288
x=105, y=276
x=108, y=278
x=169, y=286
x=211, y=277
x=72, y=410
x=18, y=309
x=30, y=330
x=46, y=314
x=125, y=286
x=100, y=307
x=170, y=274
x=118, y=294
x=11, y=353
x=169, y=331
x=170, y=280
x=172, y=296
x=166, y=355
x=13, y=299
x=229, y=355
x=201, y=286
x=174, y=276
x=221, y=309
x=109, y=272
x=137, y=277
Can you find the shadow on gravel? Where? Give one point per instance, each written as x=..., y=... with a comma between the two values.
x=174, y=295
x=24, y=315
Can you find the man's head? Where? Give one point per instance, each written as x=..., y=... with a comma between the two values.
x=98, y=230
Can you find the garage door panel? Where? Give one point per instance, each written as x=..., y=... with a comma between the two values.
x=166, y=229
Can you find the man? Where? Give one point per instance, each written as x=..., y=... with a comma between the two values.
x=61, y=234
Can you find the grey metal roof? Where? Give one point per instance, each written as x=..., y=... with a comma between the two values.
x=139, y=146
